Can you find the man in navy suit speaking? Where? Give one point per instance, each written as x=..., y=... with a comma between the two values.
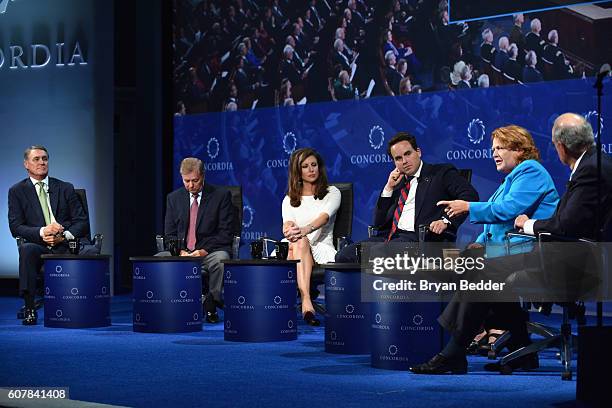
x=46, y=212
x=201, y=214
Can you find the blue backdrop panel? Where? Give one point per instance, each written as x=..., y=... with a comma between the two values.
x=252, y=148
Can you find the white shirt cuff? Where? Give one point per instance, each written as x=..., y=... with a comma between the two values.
x=386, y=193
x=528, y=227
x=41, y=233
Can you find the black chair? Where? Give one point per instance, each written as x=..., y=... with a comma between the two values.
x=96, y=242
x=237, y=209
x=557, y=264
x=343, y=228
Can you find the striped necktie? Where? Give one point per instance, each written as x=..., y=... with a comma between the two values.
x=42, y=197
x=400, y=207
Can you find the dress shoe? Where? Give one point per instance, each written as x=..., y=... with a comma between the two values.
x=440, y=364
x=528, y=362
x=310, y=319
x=212, y=317
x=30, y=317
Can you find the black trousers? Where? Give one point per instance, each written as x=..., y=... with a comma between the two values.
x=463, y=317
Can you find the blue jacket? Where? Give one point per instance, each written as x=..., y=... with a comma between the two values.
x=528, y=189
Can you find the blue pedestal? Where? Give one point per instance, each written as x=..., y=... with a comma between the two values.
x=77, y=291
x=167, y=294
x=347, y=319
x=260, y=299
x=404, y=333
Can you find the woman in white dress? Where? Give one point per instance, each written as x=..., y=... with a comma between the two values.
x=309, y=213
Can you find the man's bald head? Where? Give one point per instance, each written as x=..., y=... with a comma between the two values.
x=574, y=132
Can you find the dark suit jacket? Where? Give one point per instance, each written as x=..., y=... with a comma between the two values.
x=437, y=182
x=26, y=217
x=214, y=222
x=575, y=215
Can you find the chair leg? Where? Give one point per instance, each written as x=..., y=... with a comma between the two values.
x=498, y=344
x=566, y=346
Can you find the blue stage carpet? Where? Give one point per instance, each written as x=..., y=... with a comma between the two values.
x=114, y=365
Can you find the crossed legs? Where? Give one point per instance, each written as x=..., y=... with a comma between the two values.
x=300, y=250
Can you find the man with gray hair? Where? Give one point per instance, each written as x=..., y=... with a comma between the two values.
x=516, y=34
x=553, y=55
x=45, y=213
x=573, y=139
x=201, y=214
x=501, y=56
x=487, y=50
x=533, y=40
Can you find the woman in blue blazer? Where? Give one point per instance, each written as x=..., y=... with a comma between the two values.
x=526, y=189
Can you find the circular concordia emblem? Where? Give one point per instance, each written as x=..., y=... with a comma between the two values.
x=74, y=291
x=378, y=318
x=104, y=289
x=332, y=281
x=212, y=147
x=333, y=335
x=350, y=309
x=376, y=137
x=241, y=300
x=476, y=131
x=137, y=317
x=247, y=221
x=277, y=300
x=289, y=142
x=228, y=275
x=196, y=317
x=290, y=274
x=59, y=313
x=417, y=319
x=393, y=349
x=195, y=270
x=47, y=290
x=290, y=324
x=228, y=324
x=591, y=117
x=149, y=294
x=58, y=269
x=183, y=294
x=137, y=271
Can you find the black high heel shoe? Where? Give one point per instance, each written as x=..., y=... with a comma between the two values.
x=310, y=319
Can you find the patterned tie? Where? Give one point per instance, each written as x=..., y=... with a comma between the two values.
x=193, y=216
x=400, y=206
x=42, y=197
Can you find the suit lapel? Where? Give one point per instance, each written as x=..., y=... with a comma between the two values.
x=184, y=210
x=53, y=195
x=32, y=197
x=421, y=192
x=206, y=193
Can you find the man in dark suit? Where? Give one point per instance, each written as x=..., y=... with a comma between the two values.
x=409, y=197
x=574, y=217
x=46, y=212
x=201, y=214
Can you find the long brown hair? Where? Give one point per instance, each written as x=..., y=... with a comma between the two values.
x=294, y=183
